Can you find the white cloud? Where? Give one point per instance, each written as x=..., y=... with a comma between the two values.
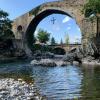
x=75, y=39
x=79, y=29
x=66, y=19
x=68, y=28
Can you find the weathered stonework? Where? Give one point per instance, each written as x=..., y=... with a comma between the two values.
x=73, y=8
x=66, y=47
x=89, y=29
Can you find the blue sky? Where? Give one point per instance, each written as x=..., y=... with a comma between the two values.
x=63, y=24
x=16, y=8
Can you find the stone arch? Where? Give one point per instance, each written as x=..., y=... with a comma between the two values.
x=37, y=19
x=59, y=51
x=31, y=19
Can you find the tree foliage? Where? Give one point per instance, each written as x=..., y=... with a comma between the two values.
x=5, y=26
x=43, y=36
x=53, y=41
x=92, y=7
x=61, y=41
x=67, y=39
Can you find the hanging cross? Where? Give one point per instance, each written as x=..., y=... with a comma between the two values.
x=53, y=20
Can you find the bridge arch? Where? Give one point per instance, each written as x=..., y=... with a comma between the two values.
x=38, y=18
x=31, y=19
x=59, y=51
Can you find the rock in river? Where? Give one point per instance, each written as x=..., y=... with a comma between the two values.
x=44, y=62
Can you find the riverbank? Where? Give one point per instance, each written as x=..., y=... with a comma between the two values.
x=57, y=60
x=7, y=56
x=92, y=62
x=11, y=89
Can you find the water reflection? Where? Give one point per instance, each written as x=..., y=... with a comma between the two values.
x=91, y=83
x=59, y=82
x=16, y=70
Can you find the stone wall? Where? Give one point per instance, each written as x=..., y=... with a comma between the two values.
x=89, y=29
x=97, y=41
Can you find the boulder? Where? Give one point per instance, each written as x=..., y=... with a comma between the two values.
x=35, y=63
x=74, y=55
x=61, y=63
x=44, y=62
x=47, y=63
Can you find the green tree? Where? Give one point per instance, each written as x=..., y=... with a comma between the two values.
x=5, y=26
x=92, y=7
x=53, y=41
x=43, y=36
x=67, y=39
x=61, y=42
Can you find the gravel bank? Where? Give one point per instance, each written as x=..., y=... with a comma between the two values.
x=11, y=89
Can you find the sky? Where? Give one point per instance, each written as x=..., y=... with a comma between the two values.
x=16, y=8
x=63, y=24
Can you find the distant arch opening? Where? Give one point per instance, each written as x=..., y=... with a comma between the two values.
x=59, y=51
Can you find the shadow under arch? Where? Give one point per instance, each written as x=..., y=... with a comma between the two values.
x=35, y=21
x=59, y=51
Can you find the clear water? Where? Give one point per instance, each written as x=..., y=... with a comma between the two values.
x=58, y=83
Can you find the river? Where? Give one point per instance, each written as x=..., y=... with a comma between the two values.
x=58, y=83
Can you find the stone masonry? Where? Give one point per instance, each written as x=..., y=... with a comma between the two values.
x=73, y=8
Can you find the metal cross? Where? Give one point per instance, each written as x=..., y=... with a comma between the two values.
x=53, y=20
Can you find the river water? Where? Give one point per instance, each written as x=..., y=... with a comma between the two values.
x=58, y=83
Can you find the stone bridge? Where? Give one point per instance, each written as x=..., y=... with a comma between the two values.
x=25, y=25
x=63, y=48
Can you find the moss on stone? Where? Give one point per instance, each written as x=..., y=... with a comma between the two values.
x=35, y=11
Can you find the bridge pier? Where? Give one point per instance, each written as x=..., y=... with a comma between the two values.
x=21, y=45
